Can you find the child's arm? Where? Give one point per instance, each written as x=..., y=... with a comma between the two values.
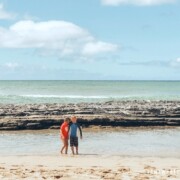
x=69, y=130
x=80, y=130
x=61, y=134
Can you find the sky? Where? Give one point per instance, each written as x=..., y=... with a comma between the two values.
x=90, y=40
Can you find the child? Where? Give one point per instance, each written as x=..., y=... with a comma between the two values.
x=64, y=134
x=73, y=134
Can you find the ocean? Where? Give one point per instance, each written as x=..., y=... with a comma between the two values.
x=28, y=92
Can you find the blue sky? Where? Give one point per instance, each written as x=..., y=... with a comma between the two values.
x=90, y=39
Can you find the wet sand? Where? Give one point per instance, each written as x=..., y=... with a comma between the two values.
x=88, y=166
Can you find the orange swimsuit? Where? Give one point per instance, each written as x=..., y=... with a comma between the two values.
x=64, y=130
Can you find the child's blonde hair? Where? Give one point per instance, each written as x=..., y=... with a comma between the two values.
x=73, y=118
x=67, y=119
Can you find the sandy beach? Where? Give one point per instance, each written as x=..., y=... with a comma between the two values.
x=137, y=154
x=88, y=166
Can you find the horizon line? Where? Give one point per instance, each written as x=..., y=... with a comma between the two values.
x=81, y=80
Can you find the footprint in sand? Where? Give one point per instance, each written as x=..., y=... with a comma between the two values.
x=124, y=170
x=42, y=170
x=147, y=167
x=141, y=177
x=108, y=176
x=58, y=177
x=106, y=171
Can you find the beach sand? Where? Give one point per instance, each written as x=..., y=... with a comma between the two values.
x=89, y=166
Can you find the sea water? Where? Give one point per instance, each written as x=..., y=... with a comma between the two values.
x=161, y=142
x=22, y=92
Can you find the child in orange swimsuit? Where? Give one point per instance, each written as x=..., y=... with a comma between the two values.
x=64, y=135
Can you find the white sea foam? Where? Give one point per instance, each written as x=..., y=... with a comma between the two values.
x=66, y=96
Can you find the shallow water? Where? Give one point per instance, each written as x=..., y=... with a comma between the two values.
x=163, y=142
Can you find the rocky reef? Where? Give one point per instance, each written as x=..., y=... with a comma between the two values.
x=112, y=113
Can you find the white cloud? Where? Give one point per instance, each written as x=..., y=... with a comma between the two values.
x=178, y=60
x=175, y=63
x=10, y=66
x=136, y=2
x=98, y=46
x=53, y=38
x=4, y=14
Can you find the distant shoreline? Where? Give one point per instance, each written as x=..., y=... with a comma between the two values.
x=85, y=80
x=109, y=114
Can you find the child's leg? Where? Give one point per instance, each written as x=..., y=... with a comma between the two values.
x=66, y=149
x=66, y=146
x=76, y=144
x=72, y=144
x=62, y=149
x=72, y=149
x=63, y=146
x=76, y=149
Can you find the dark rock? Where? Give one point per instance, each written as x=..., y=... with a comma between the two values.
x=119, y=113
x=9, y=128
x=33, y=126
x=83, y=112
x=54, y=127
x=22, y=114
x=155, y=111
x=45, y=113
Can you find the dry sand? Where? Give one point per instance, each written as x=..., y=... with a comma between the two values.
x=88, y=167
